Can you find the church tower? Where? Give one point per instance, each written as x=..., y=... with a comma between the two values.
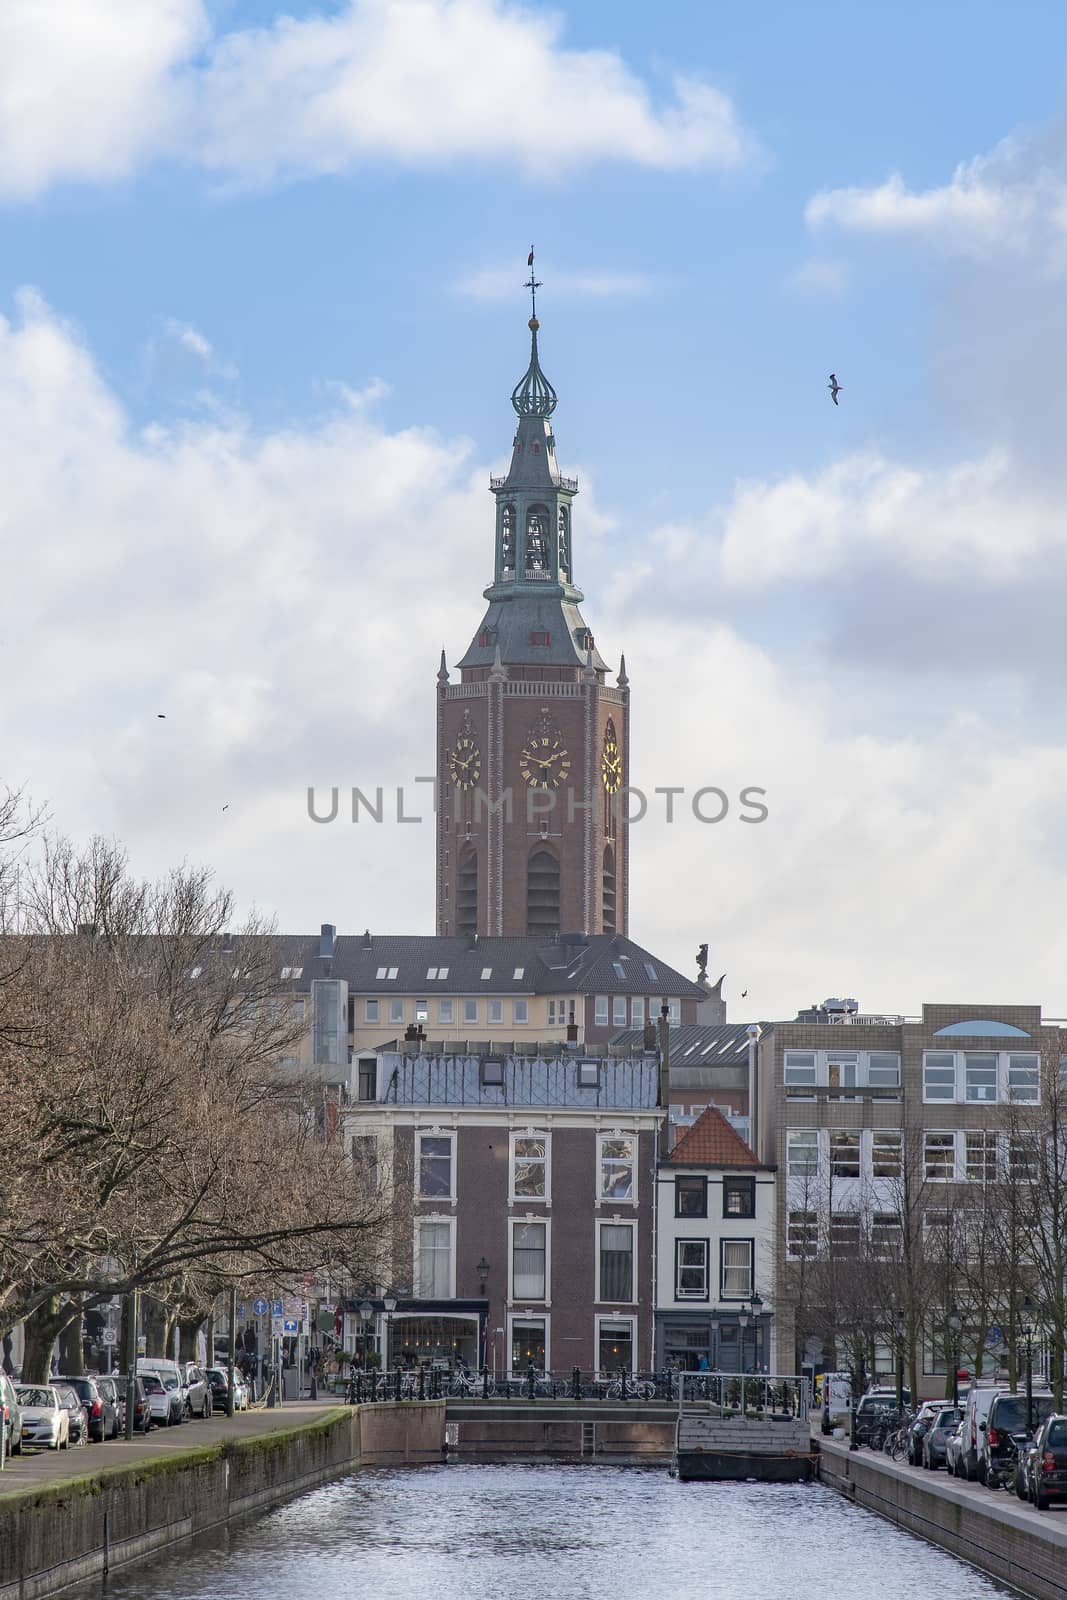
x=532, y=742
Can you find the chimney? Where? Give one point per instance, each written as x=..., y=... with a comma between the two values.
x=327, y=935
x=368, y=942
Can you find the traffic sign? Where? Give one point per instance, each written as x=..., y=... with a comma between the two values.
x=242, y=1312
x=259, y=1307
x=994, y=1337
x=290, y=1325
x=111, y=1336
x=277, y=1327
x=277, y=1309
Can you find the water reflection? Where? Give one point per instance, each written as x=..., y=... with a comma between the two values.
x=484, y=1532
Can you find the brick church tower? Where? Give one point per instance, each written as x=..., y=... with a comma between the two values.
x=532, y=742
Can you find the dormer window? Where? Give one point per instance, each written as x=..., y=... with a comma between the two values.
x=540, y=636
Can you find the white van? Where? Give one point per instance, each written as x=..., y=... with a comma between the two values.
x=975, y=1415
x=836, y=1400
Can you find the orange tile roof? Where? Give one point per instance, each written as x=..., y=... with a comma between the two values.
x=711, y=1142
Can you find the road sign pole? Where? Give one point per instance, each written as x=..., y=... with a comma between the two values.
x=231, y=1351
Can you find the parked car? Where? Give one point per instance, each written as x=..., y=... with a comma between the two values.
x=164, y=1398
x=975, y=1411
x=1007, y=1428
x=78, y=1423
x=1023, y=1470
x=875, y=1415
x=944, y=1423
x=218, y=1378
x=1047, y=1463
x=10, y=1416
x=142, y=1415
x=44, y=1420
x=954, y=1464
x=917, y=1432
x=105, y=1382
x=196, y=1390
x=103, y=1412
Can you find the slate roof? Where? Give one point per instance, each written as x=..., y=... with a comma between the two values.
x=698, y=1044
x=523, y=966
x=711, y=1142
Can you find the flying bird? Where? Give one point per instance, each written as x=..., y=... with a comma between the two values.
x=743, y=993
x=226, y=807
x=834, y=387
x=162, y=716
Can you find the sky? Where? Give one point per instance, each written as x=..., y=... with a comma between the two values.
x=262, y=311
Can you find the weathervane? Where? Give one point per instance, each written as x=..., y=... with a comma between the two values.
x=533, y=284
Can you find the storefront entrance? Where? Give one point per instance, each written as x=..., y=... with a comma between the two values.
x=417, y=1339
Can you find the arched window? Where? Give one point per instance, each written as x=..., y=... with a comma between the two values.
x=608, y=890
x=507, y=541
x=564, y=543
x=537, y=539
x=467, y=894
x=542, y=894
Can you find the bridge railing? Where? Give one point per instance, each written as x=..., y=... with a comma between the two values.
x=367, y=1388
x=745, y=1394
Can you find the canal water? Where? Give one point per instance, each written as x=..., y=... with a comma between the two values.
x=551, y=1533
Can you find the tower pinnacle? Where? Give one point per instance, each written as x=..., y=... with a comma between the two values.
x=533, y=395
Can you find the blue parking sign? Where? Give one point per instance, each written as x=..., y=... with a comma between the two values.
x=276, y=1308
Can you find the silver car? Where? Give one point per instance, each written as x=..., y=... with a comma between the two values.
x=10, y=1416
x=195, y=1389
x=44, y=1418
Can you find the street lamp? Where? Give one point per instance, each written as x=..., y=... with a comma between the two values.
x=900, y=1327
x=714, y=1326
x=389, y=1306
x=756, y=1307
x=743, y=1315
x=1028, y=1308
x=955, y=1328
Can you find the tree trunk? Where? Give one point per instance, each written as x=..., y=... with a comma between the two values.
x=40, y=1330
x=188, y=1328
x=72, y=1348
x=156, y=1316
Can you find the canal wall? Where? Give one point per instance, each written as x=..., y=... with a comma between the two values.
x=997, y=1533
x=634, y=1433
x=77, y=1528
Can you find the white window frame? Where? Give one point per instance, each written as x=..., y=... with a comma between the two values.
x=436, y=1133
x=396, y=1011
x=422, y=1011
x=529, y=1199
x=612, y=1199
x=816, y=1146
x=691, y=1299
x=606, y=1317
x=616, y=1222
x=494, y=1012
x=885, y=1056
x=990, y=1141
x=520, y=1013
x=372, y=1010
x=1030, y=1062
x=470, y=1011
x=619, y=1011
x=942, y=1133
x=747, y=1293
x=894, y=1136
x=541, y=1221
x=535, y=1314
x=809, y=1065
x=600, y=1010
x=637, y=1011
x=940, y=1099
x=446, y=1011
x=810, y=1227
x=986, y=1062
x=444, y=1221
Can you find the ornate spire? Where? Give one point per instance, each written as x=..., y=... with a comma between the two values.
x=442, y=671
x=533, y=395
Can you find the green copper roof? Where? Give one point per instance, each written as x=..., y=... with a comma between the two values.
x=533, y=395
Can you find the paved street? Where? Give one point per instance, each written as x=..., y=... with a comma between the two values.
x=35, y=1467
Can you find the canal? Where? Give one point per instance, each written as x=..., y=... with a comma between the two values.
x=468, y=1532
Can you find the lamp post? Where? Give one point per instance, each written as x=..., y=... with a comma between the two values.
x=756, y=1308
x=1027, y=1332
x=955, y=1328
x=366, y=1312
x=743, y=1317
x=389, y=1306
x=900, y=1327
x=714, y=1325
x=482, y=1270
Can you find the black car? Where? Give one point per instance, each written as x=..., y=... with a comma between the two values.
x=1005, y=1432
x=1047, y=1463
x=79, y=1417
x=103, y=1412
x=935, y=1439
x=142, y=1416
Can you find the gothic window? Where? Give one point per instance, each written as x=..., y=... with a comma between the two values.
x=542, y=894
x=537, y=540
x=467, y=894
x=564, y=543
x=507, y=541
x=608, y=890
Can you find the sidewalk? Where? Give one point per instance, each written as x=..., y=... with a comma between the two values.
x=40, y=1467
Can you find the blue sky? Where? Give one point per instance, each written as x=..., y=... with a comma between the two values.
x=262, y=282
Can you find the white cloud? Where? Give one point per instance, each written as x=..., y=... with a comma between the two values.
x=501, y=283
x=282, y=598
x=192, y=339
x=90, y=89
x=820, y=275
x=1008, y=202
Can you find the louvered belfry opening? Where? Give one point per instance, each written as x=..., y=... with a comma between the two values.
x=608, y=890
x=467, y=894
x=542, y=893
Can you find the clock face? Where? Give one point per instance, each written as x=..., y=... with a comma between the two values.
x=611, y=762
x=544, y=762
x=465, y=762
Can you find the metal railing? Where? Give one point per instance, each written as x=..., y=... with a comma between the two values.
x=745, y=1394
x=367, y=1388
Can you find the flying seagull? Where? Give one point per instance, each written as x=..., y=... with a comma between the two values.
x=834, y=387
x=226, y=807
x=162, y=716
x=743, y=993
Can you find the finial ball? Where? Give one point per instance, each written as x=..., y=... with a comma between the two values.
x=533, y=324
